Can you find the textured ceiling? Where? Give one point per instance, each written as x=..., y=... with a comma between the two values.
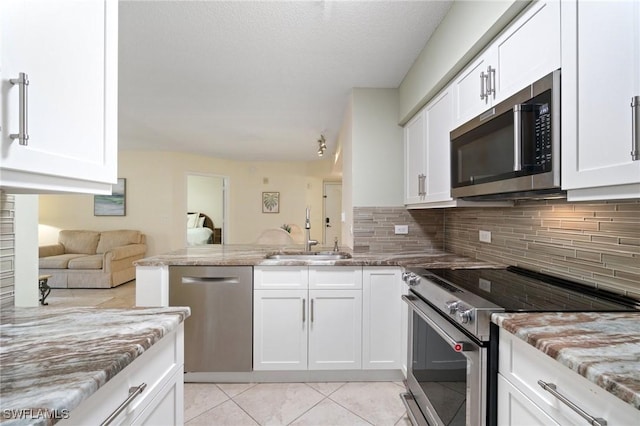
x=258, y=80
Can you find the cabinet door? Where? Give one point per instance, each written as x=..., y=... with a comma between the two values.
x=68, y=49
x=516, y=409
x=528, y=50
x=382, y=318
x=414, y=158
x=335, y=330
x=599, y=79
x=438, y=115
x=467, y=89
x=280, y=319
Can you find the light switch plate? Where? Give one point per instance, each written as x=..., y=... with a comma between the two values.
x=485, y=236
x=401, y=229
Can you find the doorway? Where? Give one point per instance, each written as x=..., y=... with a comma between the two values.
x=332, y=206
x=207, y=195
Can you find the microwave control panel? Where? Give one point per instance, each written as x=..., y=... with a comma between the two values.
x=543, y=137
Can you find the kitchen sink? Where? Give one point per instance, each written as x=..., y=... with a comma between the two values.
x=309, y=255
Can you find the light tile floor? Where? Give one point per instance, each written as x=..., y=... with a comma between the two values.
x=237, y=404
x=321, y=404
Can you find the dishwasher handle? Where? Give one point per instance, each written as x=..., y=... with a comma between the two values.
x=210, y=280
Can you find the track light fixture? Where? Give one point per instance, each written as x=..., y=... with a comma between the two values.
x=322, y=145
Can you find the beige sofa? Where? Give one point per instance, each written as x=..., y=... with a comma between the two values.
x=92, y=259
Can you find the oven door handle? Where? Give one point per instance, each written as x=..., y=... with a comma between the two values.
x=455, y=345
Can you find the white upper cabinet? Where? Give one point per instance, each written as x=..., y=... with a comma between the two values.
x=69, y=52
x=526, y=51
x=600, y=76
x=414, y=159
x=426, y=139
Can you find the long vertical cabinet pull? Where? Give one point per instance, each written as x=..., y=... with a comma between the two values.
x=491, y=81
x=483, y=92
x=304, y=308
x=23, y=105
x=311, y=310
x=422, y=191
x=635, y=128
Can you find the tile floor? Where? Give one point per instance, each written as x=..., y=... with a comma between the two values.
x=322, y=404
x=237, y=404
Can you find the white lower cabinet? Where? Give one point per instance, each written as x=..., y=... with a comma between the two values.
x=514, y=408
x=300, y=328
x=382, y=325
x=162, y=400
x=521, y=400
x=280, y=329
x=335, y=329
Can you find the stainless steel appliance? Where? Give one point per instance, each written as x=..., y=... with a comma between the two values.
x=452, y=365
x=218, y=336
x=513, y=149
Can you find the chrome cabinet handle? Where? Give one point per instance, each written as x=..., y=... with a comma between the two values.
x=311, y=310
x=421, y=185
x=551, y=388
x=635, y=128
x=483, y=93
x=23, y=106
x=304, y=308
x=491, y=81
x=133, y=393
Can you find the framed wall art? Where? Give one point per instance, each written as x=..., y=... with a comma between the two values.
x=270, y=202
x=114, y=204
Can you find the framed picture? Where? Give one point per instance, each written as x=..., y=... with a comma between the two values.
x=114, y=204
x=270, y=202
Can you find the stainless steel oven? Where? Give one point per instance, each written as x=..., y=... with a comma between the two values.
x=445, y=373
x=453, y=347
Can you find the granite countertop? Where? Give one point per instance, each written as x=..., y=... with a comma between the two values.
x=254, y=255
x=603, y=347
x=53, y=359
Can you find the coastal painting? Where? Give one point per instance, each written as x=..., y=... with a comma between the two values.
x=114, y=204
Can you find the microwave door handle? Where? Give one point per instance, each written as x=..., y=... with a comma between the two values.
x=517, y=138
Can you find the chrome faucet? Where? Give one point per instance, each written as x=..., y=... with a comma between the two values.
x=308, y=241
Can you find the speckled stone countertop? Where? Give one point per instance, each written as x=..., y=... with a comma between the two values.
x=55, y=358
x=252, y=255
x=603, y=347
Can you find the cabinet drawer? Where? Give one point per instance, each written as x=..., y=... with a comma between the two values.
x=515, y=408
x=523, y=365
x=335, y=278
x=156, y=367
x=280, y=277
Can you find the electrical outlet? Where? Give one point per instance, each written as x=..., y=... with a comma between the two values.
x=401, y=229
x=485, y=236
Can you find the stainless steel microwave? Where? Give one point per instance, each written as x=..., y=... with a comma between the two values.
x=512, y=150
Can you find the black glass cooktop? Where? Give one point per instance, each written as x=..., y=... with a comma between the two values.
x=520, y=290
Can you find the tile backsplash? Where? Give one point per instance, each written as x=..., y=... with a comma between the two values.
x=594, y=243
x=373, y=229
x=597, y=244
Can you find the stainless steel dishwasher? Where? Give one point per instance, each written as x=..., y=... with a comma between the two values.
x=218, y=337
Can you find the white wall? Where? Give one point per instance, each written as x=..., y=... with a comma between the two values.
x=346, y=153
x=377, y=157
x=26, y=250
x=462, y=34
x=157, y=199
